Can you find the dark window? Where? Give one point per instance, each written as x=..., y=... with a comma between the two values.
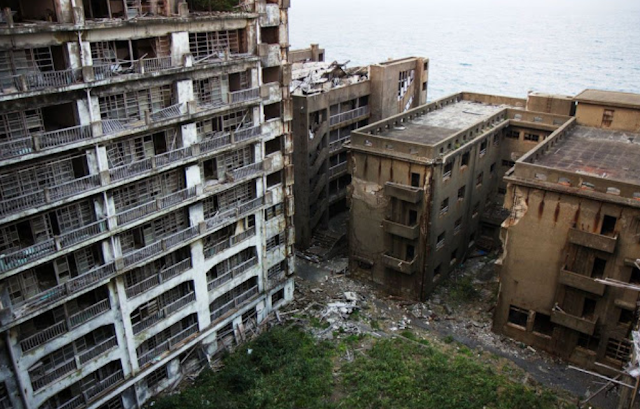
x=626, y=317
x=542, y=324
x=608, y=225
x=437, y=271
x=483, y=147
x=518, y=316
x=513, y=134
x=413, y=217
x=635, y=276
x=502, y=191
x=531, y=137
x=598, y=268
x=493, y=167
x=415, y=179
x=274, y=179
x=588, y=342
x=461, y=192
x=454, y=256
x=444, y=206
x=465, y=160
x=479, y=179
x=279, y=295
x=411, y=252
x=448, y=167
x=589, y=308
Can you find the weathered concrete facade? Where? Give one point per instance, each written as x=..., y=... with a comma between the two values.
x=568, y=274
x=427, y=186
x=324, y=117
x=146, y=204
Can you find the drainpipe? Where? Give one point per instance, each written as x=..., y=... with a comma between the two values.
x=15, y=370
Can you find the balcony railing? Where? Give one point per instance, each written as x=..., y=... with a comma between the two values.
x=148, y=65
x=229, y=242
x=39, y=382
x=246, y=133
x=244, y=95
x=59, y=292
x=245, y=172
x=104, y=69
x=103, y=385
x=173, y=156
x=349, y=115
x=43, y=336
x=51, y=79
x=157, y=279
x=169, y=112
x=167, y=345
x=232, y=272
x=336, y=170
x=165, y=312
x=24, y=256
x=82, y=233
x=232, y=214
x=176, y=239
x=87, y=314
x=131, y=169
x=97, y=350
x=61, y=137
x=235, y=303
x=16, y=147
x=26, y=201
x=73, y=403
x=212, y=142
x=74, y=187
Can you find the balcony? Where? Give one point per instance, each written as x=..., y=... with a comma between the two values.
x=397, y=229
x=403, y=192
x=103, y=385
x=16, y=147
x=338, y=145
x=229, y=242
x=231, y=272
x=225, y=217
x=164, y=312
x=581, y=282
x=113, y=126
x=138, y=212
x=338, y=170
x=39, y=381
x=167, y=345
x=245, y=95
x=269, y=54
x=576, y=323
x=349, y=115
x=62, y=291
x=103, y=70
x=244, y=172
x=41, y=80
x=235, y=303
x=27, y=255
x=244, y=134
x=402, y=266
x=159, y=247
x=61, y=137
x=214, y=141
x=63, y=327
x=155, y=280
x=593, y=240
x=154, y=162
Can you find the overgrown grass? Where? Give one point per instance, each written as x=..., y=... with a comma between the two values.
x=288, y=369
x=397, y=374
x=463, y=290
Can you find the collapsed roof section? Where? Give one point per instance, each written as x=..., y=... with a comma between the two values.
x=309, y=78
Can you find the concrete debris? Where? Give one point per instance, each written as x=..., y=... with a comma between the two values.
x=311, y=77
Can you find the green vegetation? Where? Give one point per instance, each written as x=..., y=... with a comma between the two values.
x=464, y=290
x=288, y=369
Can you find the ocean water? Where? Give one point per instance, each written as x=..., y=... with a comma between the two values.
x=507, y=47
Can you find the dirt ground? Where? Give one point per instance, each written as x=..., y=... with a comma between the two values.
x=458, y=313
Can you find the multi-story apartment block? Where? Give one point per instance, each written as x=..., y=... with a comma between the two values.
x=146, y=192
x=569, y=277
x=330, y=101
x=426, y=186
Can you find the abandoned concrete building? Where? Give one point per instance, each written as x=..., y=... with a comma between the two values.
x=329, y=102
x=146, y=202
x=569, y=274
x=427, y=186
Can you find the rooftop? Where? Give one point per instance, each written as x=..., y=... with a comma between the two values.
x=609, y=98
x=438, y=125
x=309, y=78
x=597, y=152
